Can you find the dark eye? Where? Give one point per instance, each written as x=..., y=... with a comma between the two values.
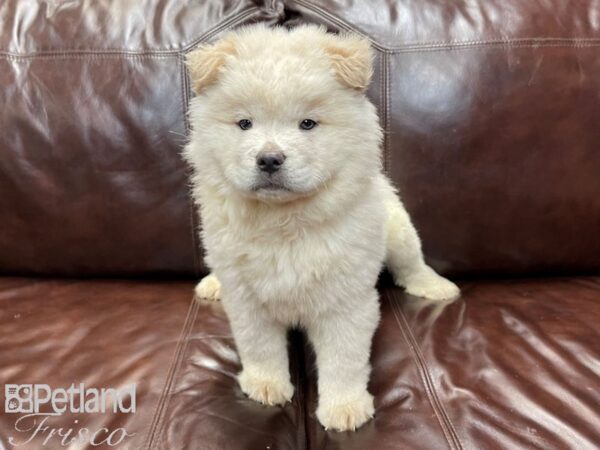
x=308, y=124
x=245, y=124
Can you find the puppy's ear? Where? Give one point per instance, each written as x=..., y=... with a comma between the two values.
x=352, y=59
x=205, y=62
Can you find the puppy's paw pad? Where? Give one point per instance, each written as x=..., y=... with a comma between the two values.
x=268, y=391
x=347, y=415
x=433, y=287
x=209, y=288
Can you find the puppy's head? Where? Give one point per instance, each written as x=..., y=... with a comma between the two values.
x=283, y=114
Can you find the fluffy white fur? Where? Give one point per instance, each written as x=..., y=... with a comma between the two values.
x=305, y=246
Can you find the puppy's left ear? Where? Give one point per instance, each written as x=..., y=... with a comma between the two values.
x=206, y=62
x=352, y=60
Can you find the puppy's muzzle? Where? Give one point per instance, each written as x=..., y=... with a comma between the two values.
x=270, y=162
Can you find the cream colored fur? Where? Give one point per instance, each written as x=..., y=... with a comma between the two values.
x=308, y=252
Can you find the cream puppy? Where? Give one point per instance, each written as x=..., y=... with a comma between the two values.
x=297, y=216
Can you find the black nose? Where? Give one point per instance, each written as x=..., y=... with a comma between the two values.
x=270, y=162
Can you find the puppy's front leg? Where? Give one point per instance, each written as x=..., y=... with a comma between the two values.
x=342, y=342
x=262, y=345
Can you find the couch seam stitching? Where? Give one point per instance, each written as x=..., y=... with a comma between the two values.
x=89, y=56
x=449, y=45
x=227, y=23
x=437, y=406
x=185, y=99
x=156, y=425
x=156, y=53
x=381, y=101
x=84, y=54
x=332, y=18
x=176, y=365
x=509, y=44
x=388, y=100
x=430, y=380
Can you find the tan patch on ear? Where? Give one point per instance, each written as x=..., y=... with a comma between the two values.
x=205, y=62
x=352, y=60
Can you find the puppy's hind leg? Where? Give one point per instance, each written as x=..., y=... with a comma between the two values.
x=209, y=288
x=405, y=259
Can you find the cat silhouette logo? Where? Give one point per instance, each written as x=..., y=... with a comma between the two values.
x=18, y=398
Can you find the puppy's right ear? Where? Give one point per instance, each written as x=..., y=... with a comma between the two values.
x=206, y=61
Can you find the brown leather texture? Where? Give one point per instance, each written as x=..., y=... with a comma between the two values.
x=91, y=176
x=103, y=333
x=512, y=365
x=490, y=114
x=489, y=111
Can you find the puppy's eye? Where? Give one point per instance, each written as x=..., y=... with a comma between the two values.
x=308, y=124
x=245, y=124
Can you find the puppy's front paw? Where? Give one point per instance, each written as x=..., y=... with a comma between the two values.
x=266, y=390
x=429, y=284
x=209, y=288
x=344, y=414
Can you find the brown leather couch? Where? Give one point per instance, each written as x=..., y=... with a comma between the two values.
x=491, y=112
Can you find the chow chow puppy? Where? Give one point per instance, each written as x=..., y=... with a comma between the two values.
x=297, y=215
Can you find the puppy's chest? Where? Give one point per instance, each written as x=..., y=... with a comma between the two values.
x=294, y=265
x=286, y=266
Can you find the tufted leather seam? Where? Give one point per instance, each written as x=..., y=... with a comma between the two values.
x=332, y=18
x=185, y=100
x=228, y=21
x=87, y=55
x=529, y=43
x=381, y=105
x=384, y=108
x=157, y=423
x=387, y=98
x=448, y=45
x=446, y=424
x=185, y=93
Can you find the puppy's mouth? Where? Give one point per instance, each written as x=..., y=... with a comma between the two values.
x=271, y=187
x=271, y=184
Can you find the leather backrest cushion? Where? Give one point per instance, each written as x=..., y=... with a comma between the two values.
x=93, y=97
x=489, y=110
